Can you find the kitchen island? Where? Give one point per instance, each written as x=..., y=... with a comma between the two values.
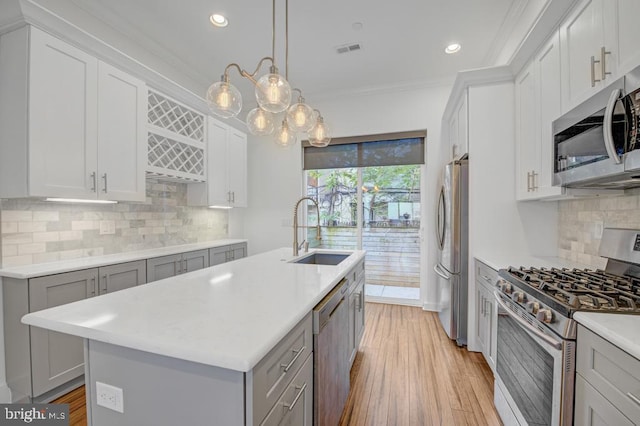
x=187, y=349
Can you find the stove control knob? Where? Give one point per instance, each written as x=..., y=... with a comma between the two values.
x=533, y=307
x=505, y=286
x=517, y=296
x=544, y=315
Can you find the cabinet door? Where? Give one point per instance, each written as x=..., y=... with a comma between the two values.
x=360, y=314
x=217, y=183
x=194, y=260
x=481, y=323
x=159, y=268
x=628, y=32
x=237, y=167
x=238, y=251
x=57, y=358
x=218, y=255
x=122, y=105
x=463, y=128
x=62, y=119
x=491, y=321
x=121, y=276
x=582, y=36
x=547, y=66
x=527, y=154
x=593, y=409
x=353, y=309
x=453, y=137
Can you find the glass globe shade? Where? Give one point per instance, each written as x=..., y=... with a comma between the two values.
x=224, y=99
x=273, y=93
x=300, y=117
x=260, y=122
x=320, y=134
x=284, y=136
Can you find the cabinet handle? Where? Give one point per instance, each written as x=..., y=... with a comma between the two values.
x=104, y=176
x=534, y=185
x=297, y=353
x=603, y=62
x=633, y=398
x=593, y=71
x=361, y=307
x=94, y=183
x=178, y=264
x=229, y=196
x=184, y=266
x=105, y=279
x=528, y=181
x=93, y=286
x=301, y=390
x=233, y=199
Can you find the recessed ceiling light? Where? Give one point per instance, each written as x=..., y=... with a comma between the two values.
x=218, y=20
x=453, y=48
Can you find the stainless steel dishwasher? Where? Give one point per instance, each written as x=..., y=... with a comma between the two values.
x=330, y=357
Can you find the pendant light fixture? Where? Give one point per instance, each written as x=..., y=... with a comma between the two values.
x=273, y=95
x=320, y=134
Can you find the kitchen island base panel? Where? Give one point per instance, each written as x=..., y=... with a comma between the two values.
x=160, y=390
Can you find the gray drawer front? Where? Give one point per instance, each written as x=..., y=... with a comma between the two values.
x=613, y=372
x=593, y=409
x=485, y=274
x=295, y=406
x=270, y=378
x=355, y=275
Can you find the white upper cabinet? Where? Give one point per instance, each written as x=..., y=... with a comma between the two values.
x=599, y=45
x=122, y=108
x=70, y=125
x=538, y=102
x=627, y=14
x=226, y=168
x=458, y=129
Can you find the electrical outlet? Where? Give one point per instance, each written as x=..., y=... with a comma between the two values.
x=109, y=397
x=107, y=227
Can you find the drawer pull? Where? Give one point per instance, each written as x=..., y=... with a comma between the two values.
x=295, y=358
x=301, y=390
x=633, y=398
x=486, y=278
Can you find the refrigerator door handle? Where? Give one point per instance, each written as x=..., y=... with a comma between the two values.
x=438, y=270
x=441, y=219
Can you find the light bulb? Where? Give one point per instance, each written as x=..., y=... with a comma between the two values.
x=224, y=99
x=260, y=122
x=320, y=135
x=300, y=116
x=284, y=136
x=273, y=93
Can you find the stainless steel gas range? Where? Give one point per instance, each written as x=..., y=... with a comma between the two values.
x=535, y=365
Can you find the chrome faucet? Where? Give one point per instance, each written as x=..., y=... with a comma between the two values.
x=296, y=247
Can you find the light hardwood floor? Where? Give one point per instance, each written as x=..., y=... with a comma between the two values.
x=407, y=372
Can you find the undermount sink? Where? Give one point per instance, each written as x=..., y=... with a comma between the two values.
x=322, y=259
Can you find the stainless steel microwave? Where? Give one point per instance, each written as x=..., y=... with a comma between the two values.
x=597, y=144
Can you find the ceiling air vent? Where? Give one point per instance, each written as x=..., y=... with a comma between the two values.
x=346, y=48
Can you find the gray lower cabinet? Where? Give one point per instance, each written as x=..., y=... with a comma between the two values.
x=42, y=364
x=219, y=255
x=162, y=267
x=607, y=383
x=486, y=313
x=356, y=312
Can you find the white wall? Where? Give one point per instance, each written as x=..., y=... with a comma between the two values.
x=275, y=176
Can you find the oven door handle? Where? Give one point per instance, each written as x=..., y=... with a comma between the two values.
x=609, y=143
x=548, y=340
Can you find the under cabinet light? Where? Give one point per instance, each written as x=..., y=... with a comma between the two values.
x=74, y=200
x=221, y=207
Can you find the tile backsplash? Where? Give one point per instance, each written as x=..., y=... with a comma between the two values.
x=34, y=231
x=581, y=221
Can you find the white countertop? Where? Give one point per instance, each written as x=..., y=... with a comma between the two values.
x=503, y=261
x=41, y=269
x=228, y=316
x=620, y=329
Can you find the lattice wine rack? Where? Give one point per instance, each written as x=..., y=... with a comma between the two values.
x=176, y=142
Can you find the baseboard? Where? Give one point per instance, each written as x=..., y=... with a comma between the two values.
x=5, y=394
x=433, y=307
x=393, y=300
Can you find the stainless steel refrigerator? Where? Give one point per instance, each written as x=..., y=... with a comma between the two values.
x=452, y=233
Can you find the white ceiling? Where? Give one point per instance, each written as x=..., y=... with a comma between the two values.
x=402, y=41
